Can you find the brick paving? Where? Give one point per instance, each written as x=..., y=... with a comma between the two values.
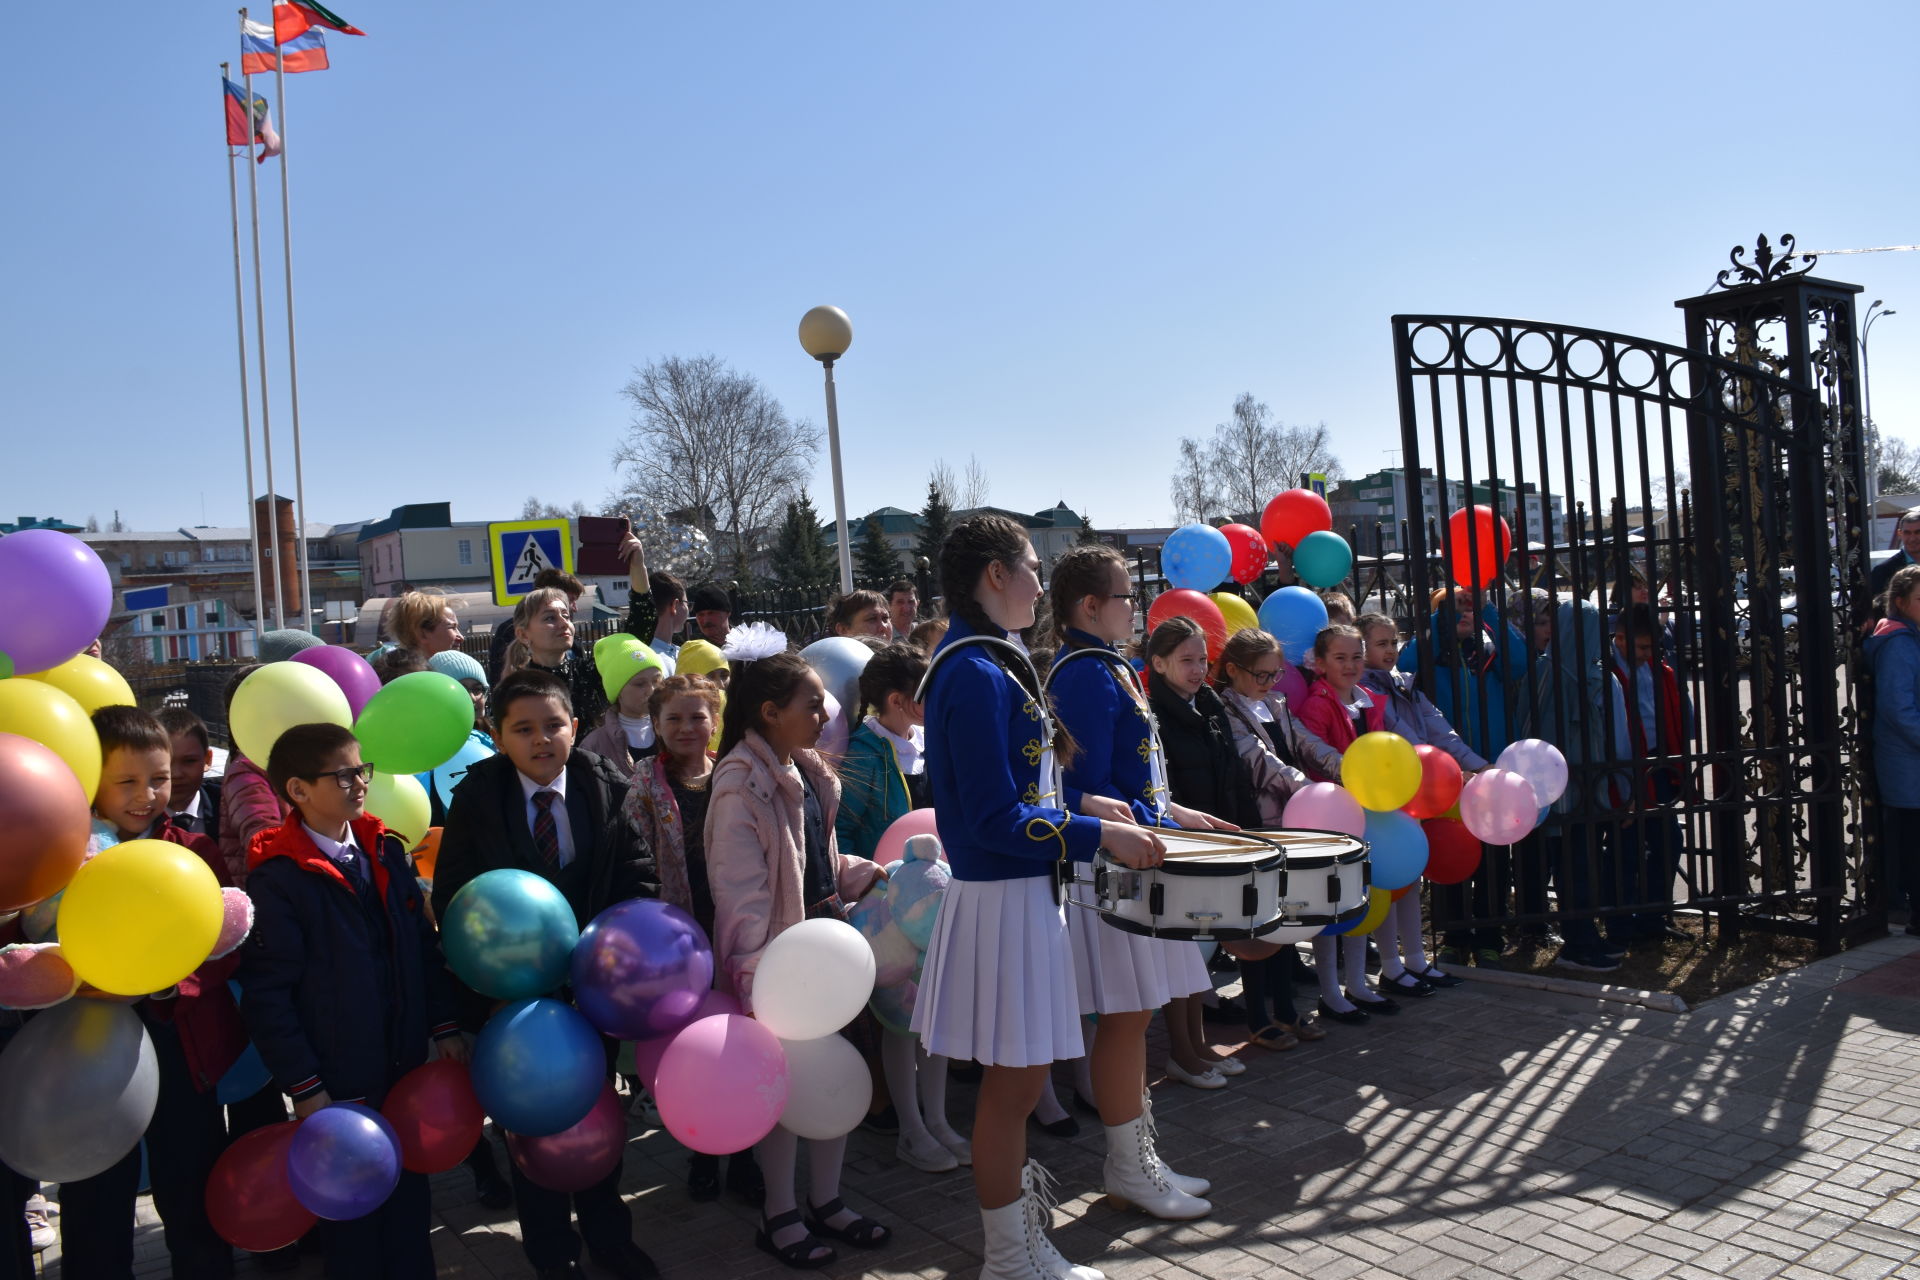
x=1486, y=1132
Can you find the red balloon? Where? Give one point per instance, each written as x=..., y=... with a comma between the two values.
x=1476, y=550
x=1453, y=852
x=1440, y=782
x=1250, y=551
x=435, y=1115
x=1294, y=514
x=1182, y=603
x=249, y=1200
x=45, y=818
x=576, y=1158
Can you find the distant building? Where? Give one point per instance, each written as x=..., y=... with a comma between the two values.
x=22, y=523
x=1052, y=531
x=1371, y=509
x=421, y=545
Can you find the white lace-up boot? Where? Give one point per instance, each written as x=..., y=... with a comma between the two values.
x=1135, y=1177
x=1192, y=1186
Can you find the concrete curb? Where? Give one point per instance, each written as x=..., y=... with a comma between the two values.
x=1659, y=1001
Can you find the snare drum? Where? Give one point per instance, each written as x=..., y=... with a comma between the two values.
x=1213, y=885
x=1323, y=882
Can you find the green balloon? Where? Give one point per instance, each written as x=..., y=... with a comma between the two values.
x=415, y=724
x=1322, y=559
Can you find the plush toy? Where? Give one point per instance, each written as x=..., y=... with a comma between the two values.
x=917, y=883
x=894, y=956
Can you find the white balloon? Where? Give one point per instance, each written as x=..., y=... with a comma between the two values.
x=1541, y=764
x=813, y=979
x=839, y=660
x=828, y=1088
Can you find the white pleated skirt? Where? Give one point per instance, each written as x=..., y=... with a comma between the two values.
x=997, y=982
x=1119, y=972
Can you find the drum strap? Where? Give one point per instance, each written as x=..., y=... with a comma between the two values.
x=1130, y=680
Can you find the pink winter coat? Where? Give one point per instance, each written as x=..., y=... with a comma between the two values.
x=1325, y=716
x=756, y=854
x=248, y=806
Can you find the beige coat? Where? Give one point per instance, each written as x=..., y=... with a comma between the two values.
x=756, y=854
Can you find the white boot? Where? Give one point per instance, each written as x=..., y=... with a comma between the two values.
x=1017, y=1247
x=1135, y=1177
x=1192, y=1186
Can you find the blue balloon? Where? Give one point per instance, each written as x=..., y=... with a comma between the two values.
x=1296, y=617
x=447, y=776
x=641, y=970
x=509, y=934
x=1197, y=557
x=1397, y=849
x=343, y=1162
x=538, y=1067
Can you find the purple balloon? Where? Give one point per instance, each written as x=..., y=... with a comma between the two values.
x=641, y=969
x=345, y=668
x=55, y=596
x=577, y=1158
x=344, y=1161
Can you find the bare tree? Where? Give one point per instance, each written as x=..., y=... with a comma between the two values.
x=710, y=442
x=975, y=488
x=535, y=509
x=93, y=524
x=940, y=480
x=1195, y=498
x=1898, y=466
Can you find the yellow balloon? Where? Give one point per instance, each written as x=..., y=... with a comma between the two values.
x=1238, y=613
x=140, y=916
x=399, y=800
x=1378, y=900
x=54, y=720
x=90, y=682
x=1382, y=770
x=279, y=696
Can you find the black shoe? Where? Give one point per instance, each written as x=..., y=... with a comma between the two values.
x=561, y=1271
x=1064, y=1127
x=1226, y=1012
x=744, y=1180
x=1612, y=949
x=1354, y=1017
x=1382, y=1006
x=1408, y=984
x=1440, y=978
x=1586, y=961
x=627, y=1262
x=703, y=1178
x=883, y=1121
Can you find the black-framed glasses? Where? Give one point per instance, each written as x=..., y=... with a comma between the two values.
x=1263, y=677
x=1118, y=595
x=346, y=777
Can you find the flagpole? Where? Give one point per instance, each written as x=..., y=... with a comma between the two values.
x=293, y=356
x=260, y=344
x=240, y=329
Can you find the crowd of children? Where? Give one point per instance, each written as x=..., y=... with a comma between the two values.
x=660, y=764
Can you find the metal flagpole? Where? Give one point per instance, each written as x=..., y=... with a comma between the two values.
x=260, y=345
x=293, y=357
x=240, y=327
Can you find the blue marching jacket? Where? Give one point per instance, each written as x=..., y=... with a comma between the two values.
x=1112, y=730
x=987, y=738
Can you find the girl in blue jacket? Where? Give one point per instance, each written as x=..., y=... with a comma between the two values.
x=1894, y=648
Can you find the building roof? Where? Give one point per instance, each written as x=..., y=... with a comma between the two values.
x=414, y=515
x=21, y=524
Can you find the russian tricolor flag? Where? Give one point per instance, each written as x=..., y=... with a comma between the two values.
x=305, y=52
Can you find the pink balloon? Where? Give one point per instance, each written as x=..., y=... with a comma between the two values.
x=1498, y=806
x=345, y=668
x=1325, y=806
x=647, y=1053
x=893, y=841
x=721, y=1084
x=577, y=1158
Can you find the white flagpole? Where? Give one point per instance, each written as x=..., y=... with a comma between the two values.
x=260, y=344
x=293, y=355
x=240, y=328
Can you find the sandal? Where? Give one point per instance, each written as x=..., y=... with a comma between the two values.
x=1305, y=1029
x=806, y=1254
x=1275, y=1037
x=861, y=1233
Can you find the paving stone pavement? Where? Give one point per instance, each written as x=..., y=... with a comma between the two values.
x=1486, y=1132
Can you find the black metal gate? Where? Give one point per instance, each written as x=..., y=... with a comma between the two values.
x=1721, y=481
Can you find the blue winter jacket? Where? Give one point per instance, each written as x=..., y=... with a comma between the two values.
x=1496, y=659
x=1894, y=649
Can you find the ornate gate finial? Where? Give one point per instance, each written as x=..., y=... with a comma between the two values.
x=1765, y=268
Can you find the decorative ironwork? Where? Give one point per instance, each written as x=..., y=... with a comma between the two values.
x=1765, y=267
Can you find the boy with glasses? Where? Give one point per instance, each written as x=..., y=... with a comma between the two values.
x=342, y=981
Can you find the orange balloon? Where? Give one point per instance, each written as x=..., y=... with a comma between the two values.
x=426, y=854
x=45, y=819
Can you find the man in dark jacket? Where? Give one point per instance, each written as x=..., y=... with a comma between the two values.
x=541, y=806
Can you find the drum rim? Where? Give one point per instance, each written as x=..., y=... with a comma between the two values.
x=1272, y=860
x=1232, y=933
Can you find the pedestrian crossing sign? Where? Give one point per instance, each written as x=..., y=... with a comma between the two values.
x=521, y=550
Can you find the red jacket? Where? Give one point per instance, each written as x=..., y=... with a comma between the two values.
x=202, y=1009
x=248, y=806
x=1663, y=784
x=1329, y=720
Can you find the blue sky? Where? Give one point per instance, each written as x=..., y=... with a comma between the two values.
x=1066, y=233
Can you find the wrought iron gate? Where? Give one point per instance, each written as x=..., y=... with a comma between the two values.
x=1726, y=478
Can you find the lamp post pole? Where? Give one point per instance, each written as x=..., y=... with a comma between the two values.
x=825, y=334
x=1878, y=310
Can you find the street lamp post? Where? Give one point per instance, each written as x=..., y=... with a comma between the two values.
x=825, y=334
x=1877, y=310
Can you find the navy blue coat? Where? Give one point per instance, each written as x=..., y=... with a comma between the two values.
x=338, y=993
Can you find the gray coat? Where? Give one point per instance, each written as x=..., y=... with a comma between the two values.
x=1274, y=779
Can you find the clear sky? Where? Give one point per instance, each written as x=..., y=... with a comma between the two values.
x=1066, y=233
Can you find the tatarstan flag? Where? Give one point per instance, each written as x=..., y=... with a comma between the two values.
x=291, y=17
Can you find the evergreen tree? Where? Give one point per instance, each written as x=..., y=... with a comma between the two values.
x=801, y=555
x=875, y=562
x=935, y=518
x=1087, y=531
